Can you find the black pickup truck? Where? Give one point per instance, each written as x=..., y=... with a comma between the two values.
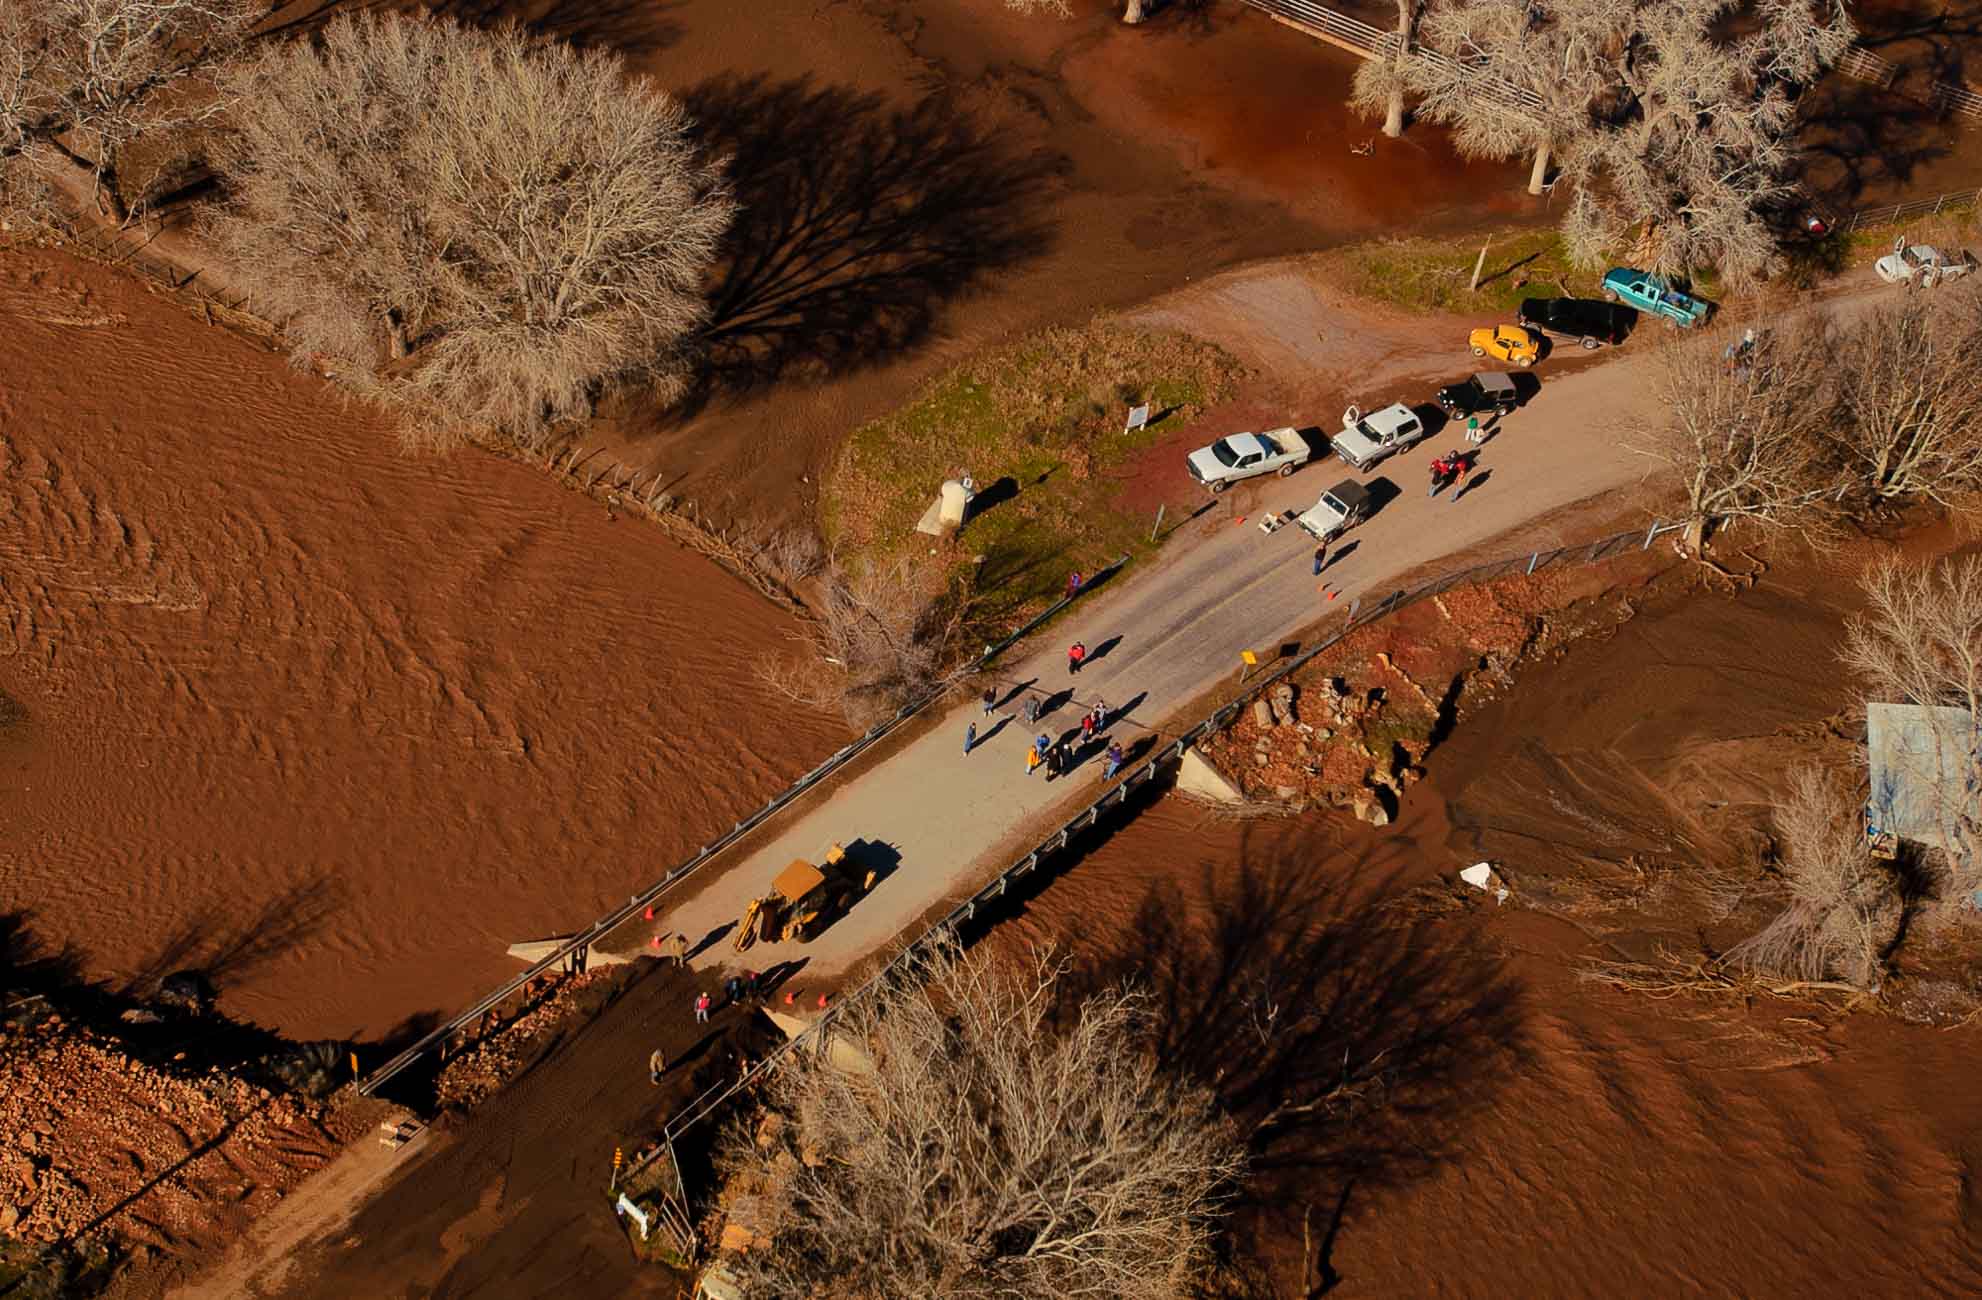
x=1586, y=320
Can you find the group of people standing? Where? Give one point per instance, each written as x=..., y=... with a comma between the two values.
x=1452, y=469
x=1058, y=756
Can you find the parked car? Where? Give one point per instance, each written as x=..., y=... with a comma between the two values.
x=1514, y=344
x=1921, y=264
x=1488, y=392
x=1586, y=320
x=1248, y=455
x=1651, y=293
x=1367, y=439
x=1340, y=508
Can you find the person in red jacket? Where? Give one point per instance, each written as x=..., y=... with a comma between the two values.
x=1076, y=656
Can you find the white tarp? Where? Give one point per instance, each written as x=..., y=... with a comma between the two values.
x=1923, y=769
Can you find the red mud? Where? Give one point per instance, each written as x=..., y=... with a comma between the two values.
x=1547, y=1136
x=337, y=723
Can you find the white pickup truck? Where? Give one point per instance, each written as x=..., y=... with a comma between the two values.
x=1367, y=439
x=1248, y=455
x=1340, y=508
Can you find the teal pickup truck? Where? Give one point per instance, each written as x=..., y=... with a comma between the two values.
x=1650, y=293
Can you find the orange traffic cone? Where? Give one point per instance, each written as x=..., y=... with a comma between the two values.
x=822, y=1001
x=649, y=913
x=789, y=995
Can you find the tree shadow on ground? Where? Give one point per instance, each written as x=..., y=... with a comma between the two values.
x=31, y=970
x=1353, y=1044
x=222, y=949
x=858, y=222
x=1855, y=138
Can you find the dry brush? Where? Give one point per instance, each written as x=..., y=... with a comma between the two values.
x=1844, y=907
x=482, y=229
x=81, y=81
x=1004, y=1142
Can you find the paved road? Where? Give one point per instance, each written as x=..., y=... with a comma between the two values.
x=1170, y=632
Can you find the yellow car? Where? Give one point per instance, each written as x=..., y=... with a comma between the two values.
x=1510, y=343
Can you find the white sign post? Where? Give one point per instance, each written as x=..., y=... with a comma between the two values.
x=1138, y=418
x=633, y=1212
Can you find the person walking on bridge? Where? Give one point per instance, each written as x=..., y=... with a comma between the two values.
x=678, y=949
x=702, y=1003
x=1032, y=760
x=969, y=738
x=1076, y=656
x=1115, y=760
x=657, y=1065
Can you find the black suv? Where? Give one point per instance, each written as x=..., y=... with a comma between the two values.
x=1586, y=320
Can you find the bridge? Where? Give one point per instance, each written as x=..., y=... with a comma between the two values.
x=1161, y=639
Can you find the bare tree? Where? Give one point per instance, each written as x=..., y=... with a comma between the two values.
x=1133, y=11
x=1844, y=907
x=1672, y=118
x=998, y=1142
x=81, y=80
x=1910, y=426
x=1741, y=431
x=485, y=229
x=1920, y=642
x=1380, y=83
x=876, y=641
x=1698, y=131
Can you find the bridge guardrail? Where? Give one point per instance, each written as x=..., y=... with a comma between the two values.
x=706, y=1104
x=569, y=952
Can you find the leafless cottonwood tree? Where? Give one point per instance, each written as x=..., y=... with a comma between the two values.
x=1003, y=1144
x=876, y=641
x=81, y=80
x=1698, y=131
x=1744, y=439
x=1844, y=907
x=1920, y=642
x=1674, y=118
x=1908, y=422
x=483, y=228
x=1380, y=84
x=1133, y=11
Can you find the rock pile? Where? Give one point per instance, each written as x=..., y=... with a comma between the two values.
x=1350, y=748
x=95, y=1142
x=489, y=1062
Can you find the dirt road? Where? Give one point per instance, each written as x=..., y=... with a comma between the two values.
x=1159, y=638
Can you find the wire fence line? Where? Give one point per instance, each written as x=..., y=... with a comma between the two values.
x=817, y=1034
x=572, y=953
x=112, y=248
x=1950, y=96
x=1954, y=201
x=1361, y=38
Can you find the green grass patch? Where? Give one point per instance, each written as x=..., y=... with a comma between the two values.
x=1432, y=275
x=1040, y=419
x=1423, y=274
